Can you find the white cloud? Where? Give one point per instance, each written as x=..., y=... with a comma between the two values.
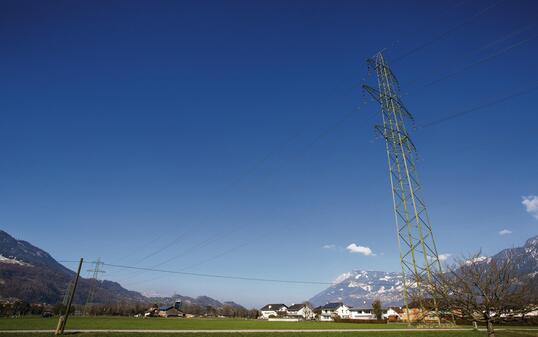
x=353, y=248
x=531, y=204
x=444, y=257
x=331, y=246
x=505, y=232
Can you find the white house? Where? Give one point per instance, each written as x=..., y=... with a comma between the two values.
x=273, y=310
x=331, y=310
x=361, y=313
x=532, y=313
x=301, y=311
x=392, y=314
x=165, y=311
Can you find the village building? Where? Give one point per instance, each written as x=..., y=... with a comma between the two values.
x=273, y=310
x=169, y=311
x=418, y=315
x=301, y=311
x=361, y=313
x=392, y=314
x=165, y=311
x=153, y=311
x=332, y=310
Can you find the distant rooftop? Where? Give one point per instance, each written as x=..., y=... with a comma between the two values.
x=273, y=306
x=334, y=305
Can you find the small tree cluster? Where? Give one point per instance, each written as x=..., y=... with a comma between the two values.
x=114, y=309
x=226, y=310
x=15, y=308
x=377, y=309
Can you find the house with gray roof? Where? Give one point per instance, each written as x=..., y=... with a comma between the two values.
x=301, y=311
x=331, y=310
x=273, y=310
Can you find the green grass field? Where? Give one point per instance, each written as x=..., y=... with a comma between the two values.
x=104, y=322
x=291, y=334
x=82, y=323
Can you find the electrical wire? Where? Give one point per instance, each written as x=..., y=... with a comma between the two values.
x=231, y=277
x=289, y=140
x=141, y=247
x=504, y=38
x=480, y=107
x=217, y=236
x=481, y=61
x=202, y=262
x=236, y=182
x=321, y=136
x=446, y=33
x=412, y=83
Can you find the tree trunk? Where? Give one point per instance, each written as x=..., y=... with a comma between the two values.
x=491, y=332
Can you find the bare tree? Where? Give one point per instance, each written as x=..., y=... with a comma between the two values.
x=483, y=290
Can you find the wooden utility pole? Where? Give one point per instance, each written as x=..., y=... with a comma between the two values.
x=63, y=318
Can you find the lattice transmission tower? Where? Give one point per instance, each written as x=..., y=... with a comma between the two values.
x=418, y=254
x=94, y=282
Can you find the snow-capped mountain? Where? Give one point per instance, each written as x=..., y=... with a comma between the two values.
x=524, y=259
x=31, y=274
x=360, y=288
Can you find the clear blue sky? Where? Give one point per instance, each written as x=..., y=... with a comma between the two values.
x=125, y=124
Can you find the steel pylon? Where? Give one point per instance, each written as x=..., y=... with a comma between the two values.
x=418, y=253
x=94, y=283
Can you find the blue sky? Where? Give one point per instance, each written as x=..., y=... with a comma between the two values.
x=220, y=137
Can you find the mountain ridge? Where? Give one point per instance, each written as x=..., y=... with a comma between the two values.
x=361, y=287
x=31, y=274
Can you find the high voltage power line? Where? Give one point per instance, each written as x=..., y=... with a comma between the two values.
x=481, y=106
x=505, y=37
x=217, y=236
x=233, y=184
x=276, y=150
x=486, y=46
x=237, y=181
x=209, y=259
x=242, y=278
x=141, y=247
x=481, y=61
x=446, y=33
x=324, y=133
x=216, y=275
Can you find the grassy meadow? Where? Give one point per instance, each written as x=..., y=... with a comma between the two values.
x=503, y=333
x=108, y=322
x=105, y=323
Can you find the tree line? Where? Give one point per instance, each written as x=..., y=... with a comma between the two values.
x=14, y=307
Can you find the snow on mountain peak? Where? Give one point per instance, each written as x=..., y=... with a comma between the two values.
x=342, y=277
x=13, y=260
x=361, y=287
